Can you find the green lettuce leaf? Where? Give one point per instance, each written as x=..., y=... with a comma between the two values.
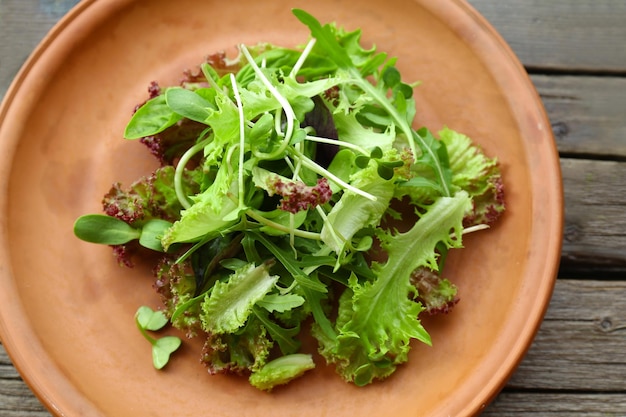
x=208, y=214
x=477, y=174
x=354, y=212
x=281, y=371
x=230, y=303
x=376, y=324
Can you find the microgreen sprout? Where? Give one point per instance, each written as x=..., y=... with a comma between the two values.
x=148, y=319
x=290, y=116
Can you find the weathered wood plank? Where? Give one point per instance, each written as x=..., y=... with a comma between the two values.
x=581, y=345
x=587, y=114
x=595, y=218
x=22, y=25
x=516, y=404
x=564, y=35
x=16, y=399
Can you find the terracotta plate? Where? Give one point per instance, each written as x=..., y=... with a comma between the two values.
x=66, y=308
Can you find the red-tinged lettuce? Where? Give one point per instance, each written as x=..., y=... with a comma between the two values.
x=437, y=294
x=242, y=352
x=378, y=321
x=296, y=195
x=477, y=174
x=151, y=197
x=176, y=284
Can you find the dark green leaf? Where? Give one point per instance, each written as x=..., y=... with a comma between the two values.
x=391, y=77
x=385, y=172
x=362, y=161
x=376, y=153
x=153, y=117
x=284, y=337
x=326, y=39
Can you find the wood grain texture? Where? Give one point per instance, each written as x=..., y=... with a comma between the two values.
x=562, y=35
x=516, y=404
x=31, y=20
x=16, y=399
x=588, y=114
x=595, y=216
x=581, y=345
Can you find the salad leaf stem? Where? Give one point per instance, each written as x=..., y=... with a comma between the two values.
x=337, y=143
x=313, y=166
x=287, y=109
x=303, y=56
x=242, y=138
x=267, y=222
x=180, y=169
x=475, y=228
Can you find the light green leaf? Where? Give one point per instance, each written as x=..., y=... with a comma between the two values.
x=281, y=371
x=162, y=349
x=377, y=323
x=280, y=303
x=230, y=303
x=188, y=104
x=151, y=233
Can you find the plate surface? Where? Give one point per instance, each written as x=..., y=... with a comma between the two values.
x=66, y=308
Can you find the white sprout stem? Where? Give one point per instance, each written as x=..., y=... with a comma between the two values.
x=325, y=173
x=287, y=109
x=292, y=234
x=266, y=222
x=298, y=167
x=242, y=125
x=340, y=240
x=303, y=56
x=337, y=142
x=180, y=168
x=475, y=228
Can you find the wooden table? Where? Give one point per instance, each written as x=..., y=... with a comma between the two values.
x=575, y=52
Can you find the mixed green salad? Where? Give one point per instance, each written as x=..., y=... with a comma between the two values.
x=294, y=196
